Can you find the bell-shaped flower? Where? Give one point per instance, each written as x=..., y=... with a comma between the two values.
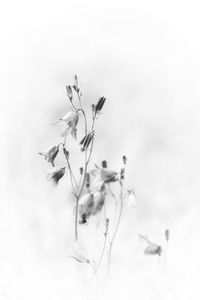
x=68, y=124
x=55, y=174
x=99, y=199
x=86, y=204
x=50, y=154
x=150, y=248
x=102, y=176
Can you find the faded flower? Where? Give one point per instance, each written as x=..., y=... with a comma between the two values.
x=104, y=175
x=90, y=204
x=86, y=204
x=99, y=199
x=79, y=253
x=151, y=248
x=50, y=154
x=68, y=124
x=55, y=174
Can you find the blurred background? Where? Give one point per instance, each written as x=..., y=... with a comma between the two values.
x=143, y=56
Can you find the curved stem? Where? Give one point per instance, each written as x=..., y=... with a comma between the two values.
x=87, y=160
x=103, y=250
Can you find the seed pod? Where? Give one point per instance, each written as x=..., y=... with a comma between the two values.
x=81, y=171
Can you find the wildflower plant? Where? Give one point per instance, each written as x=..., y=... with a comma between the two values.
x=93, y=190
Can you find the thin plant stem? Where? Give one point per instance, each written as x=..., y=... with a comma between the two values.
x=103, y=250
x=87, y=160
x=117, y=225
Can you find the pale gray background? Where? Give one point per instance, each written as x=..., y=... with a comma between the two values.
x=144, y=57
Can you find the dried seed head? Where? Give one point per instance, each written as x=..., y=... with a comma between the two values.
x=104, y=164
x=167, y=235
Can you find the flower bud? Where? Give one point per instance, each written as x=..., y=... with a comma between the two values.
x=87, y=180
x=100, y=104
x=104, y=164
x=66, y=153
x=124, y=159
x=75, y=86
x=167, y=235
x=69, y=92
x=122, y=174
x=85, y=142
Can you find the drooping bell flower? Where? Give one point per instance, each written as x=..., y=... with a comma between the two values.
x=68, y=124
x=150, y=248
x=50, y=154
x=55, y=174
x=99, y=199
x=79, y=253
x=104, y=175
x=86, y=204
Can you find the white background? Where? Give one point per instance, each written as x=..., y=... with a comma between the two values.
x=144, y=58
